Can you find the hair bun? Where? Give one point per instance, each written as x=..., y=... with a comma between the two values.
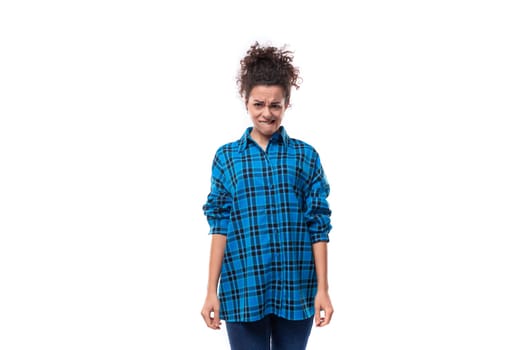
x=267, y=65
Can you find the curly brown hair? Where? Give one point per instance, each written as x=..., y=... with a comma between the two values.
x=267, y=65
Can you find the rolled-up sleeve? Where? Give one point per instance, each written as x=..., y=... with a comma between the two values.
x=317, y=208
x=219, y=202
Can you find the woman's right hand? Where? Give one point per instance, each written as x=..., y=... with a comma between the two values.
x=210, y=312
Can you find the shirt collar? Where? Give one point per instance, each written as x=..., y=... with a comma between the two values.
x=280, y=136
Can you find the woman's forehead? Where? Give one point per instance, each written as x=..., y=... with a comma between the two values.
x=267, y=92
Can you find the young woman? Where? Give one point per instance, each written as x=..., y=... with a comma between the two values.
x=269, y=220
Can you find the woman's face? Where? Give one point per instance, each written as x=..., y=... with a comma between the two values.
x=266, y=107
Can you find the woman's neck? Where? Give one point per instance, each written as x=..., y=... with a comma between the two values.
x=260, y=139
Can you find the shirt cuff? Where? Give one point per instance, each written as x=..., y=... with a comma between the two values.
x=319, y=237
x=219, y=226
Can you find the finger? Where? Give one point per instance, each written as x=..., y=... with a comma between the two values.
x=326, y=317
x=216, y=321
x=206, y=317
x=318, y=316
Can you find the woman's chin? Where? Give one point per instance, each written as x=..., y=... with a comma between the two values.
x=268, y=130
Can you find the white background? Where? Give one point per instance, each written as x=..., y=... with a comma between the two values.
x=111, y=112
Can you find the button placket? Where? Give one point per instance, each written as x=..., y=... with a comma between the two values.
x=273, y=198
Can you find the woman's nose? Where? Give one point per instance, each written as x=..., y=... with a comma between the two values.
x=266, y=112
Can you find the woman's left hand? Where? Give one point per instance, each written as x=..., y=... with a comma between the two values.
x=323, y=309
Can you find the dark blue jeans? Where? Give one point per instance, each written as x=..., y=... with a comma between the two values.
x=278, y=332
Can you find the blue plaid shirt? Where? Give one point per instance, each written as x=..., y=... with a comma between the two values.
x=272, y=207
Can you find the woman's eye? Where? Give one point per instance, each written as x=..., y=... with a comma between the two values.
x=276, y=106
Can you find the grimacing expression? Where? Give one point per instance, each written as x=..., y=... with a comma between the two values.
x=266, y=107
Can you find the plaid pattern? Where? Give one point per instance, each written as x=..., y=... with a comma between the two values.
x=271, y=206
